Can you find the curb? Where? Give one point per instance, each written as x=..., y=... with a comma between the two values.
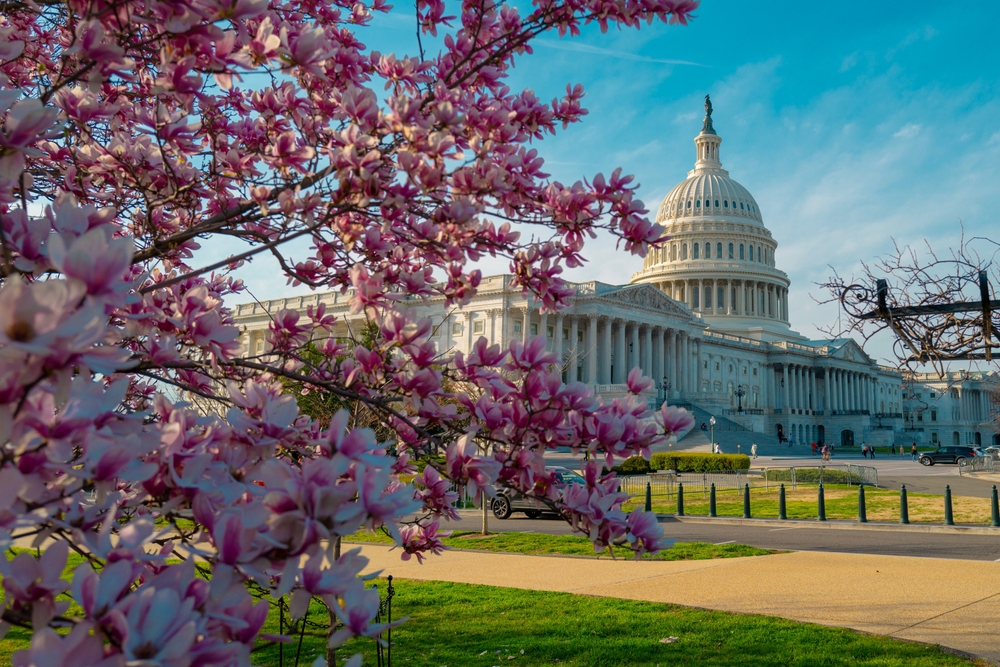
x=835, y=525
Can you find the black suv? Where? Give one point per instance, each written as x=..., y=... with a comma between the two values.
x=950, y=455
x=509, y=501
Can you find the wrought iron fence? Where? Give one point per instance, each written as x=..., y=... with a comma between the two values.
x=383, y=649
x=977, y=464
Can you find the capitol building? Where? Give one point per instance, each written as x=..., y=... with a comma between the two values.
x=707, y=317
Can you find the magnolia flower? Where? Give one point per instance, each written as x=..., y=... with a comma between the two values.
x=676, y=421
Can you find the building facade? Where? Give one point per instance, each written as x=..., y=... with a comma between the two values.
x=706, y=317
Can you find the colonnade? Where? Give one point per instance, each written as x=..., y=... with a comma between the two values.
x=602, y=349
x=850, y=391
x=712, y=296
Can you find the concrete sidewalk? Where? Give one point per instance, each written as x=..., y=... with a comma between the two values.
x=920, y=599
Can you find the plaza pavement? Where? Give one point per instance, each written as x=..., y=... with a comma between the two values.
x=926, y=600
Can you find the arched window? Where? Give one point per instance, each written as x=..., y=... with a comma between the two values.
x=751, y=253
x=708, y=251
x=696, y=248
x=716, y=203
x=721, y=296
x=707, y=204
x=729, y=388
x=730, y=251
x=684, y=251
x=708, y=298
x=741, y=206
x=718, y=251
x=694, y=296
x=741, y=252
x=697, y=204
x=689, y=204
x=726, y=204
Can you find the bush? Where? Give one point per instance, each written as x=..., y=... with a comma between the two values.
x=690, y=462
x=814, y=476
x=633, y=465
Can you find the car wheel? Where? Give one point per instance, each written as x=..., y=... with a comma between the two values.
x=960, y=460
x=501, y=507
x=533, y=514
x=927, y=461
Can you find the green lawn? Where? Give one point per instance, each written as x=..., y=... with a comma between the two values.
x=841, y=503
x=460, y=625
x=535, y=543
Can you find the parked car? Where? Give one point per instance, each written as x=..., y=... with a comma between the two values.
x=950, y=455
x=993, y=452
x=509, y=501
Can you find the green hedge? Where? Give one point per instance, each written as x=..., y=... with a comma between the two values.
x=813, y=476
x=633, y=465
x=691, y=462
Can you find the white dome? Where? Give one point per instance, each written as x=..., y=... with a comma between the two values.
x=709, y=192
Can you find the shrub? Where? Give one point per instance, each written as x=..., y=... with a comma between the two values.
x=633, y=465
x=693, y=462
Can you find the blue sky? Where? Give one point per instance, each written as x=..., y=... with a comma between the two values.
x=850, y=125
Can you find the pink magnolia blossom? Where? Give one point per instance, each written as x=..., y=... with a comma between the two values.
x=676, y=421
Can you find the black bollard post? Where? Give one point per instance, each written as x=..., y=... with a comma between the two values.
x=949, y=519
x=904, y=510
x=862, y=512
x=649, y=498
x=781, y=503
x=821, y=509
x=746, y=501
x=995, y=522
x=711, y=501
x=680, y=498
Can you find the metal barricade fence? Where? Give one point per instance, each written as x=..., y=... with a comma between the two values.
x=977, y=464
x=661, y=485
x=838, y=473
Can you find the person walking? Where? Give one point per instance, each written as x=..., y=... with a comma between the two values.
x=871, y=451
x=826, y=453
x=913, y=452
x=893, y=450
x=753, y=450
x=901, y=450
x=864, y=450
x=812, y=445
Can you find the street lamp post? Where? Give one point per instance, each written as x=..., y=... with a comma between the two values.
x=740, y=393
x=711, y=421
x=664, y=386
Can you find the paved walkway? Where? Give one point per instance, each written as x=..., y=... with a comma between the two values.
x=921, y=599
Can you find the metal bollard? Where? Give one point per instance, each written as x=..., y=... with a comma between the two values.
x=995, y=522
x=711, y=501
x=862, y=512
x=821, y=509
x=746, y=501
x=949, y=519
x=781, y=504
x=680, y=498
x=904, y=510
x=649, y=498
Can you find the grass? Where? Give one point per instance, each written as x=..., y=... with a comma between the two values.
x=482, y=626
x=459, y=625
x=841, y=503
x=569, y=545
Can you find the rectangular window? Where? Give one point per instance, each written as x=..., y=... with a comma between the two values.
x=920, y=416
x=565, y=334
x=456, y=328
x=478, y=327
x=934, y=437
x=579, y=336
x=549, y=332
x=517, y=327
x=755, y=372
x=933, y=395
x=933, y=415
x=534, y=329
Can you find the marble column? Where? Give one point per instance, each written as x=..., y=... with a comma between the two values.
x=574, y=349
x=826, y=392
x=543, y=328
x=647, y=353
x=670, y=361
x=698, y=367
x=785, y=389
x=621, y=355
x=557, y=341
x=682, y=371
x=634, y=340
x=658, y=368
x=592, y=350
x=606, y=354
x=526, y=324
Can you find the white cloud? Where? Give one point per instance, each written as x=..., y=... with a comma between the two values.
x=908, y=131
x=849, y=62
x=581, y=47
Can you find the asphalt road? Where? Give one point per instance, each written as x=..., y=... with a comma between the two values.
x=887, y=543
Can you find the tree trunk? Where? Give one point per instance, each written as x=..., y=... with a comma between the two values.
x=486, y=516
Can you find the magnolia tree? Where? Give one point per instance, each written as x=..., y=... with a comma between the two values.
x=132, y=130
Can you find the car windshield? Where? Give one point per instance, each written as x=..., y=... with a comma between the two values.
x=569, y=477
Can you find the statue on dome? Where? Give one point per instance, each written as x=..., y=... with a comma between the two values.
x=706, y=127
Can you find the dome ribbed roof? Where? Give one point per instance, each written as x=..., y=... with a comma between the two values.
x=709, y=193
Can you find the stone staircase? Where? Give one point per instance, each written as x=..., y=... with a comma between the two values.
x=731, y=435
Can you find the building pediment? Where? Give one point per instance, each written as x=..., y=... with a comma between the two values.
x=648, y=298
x=851, y=351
